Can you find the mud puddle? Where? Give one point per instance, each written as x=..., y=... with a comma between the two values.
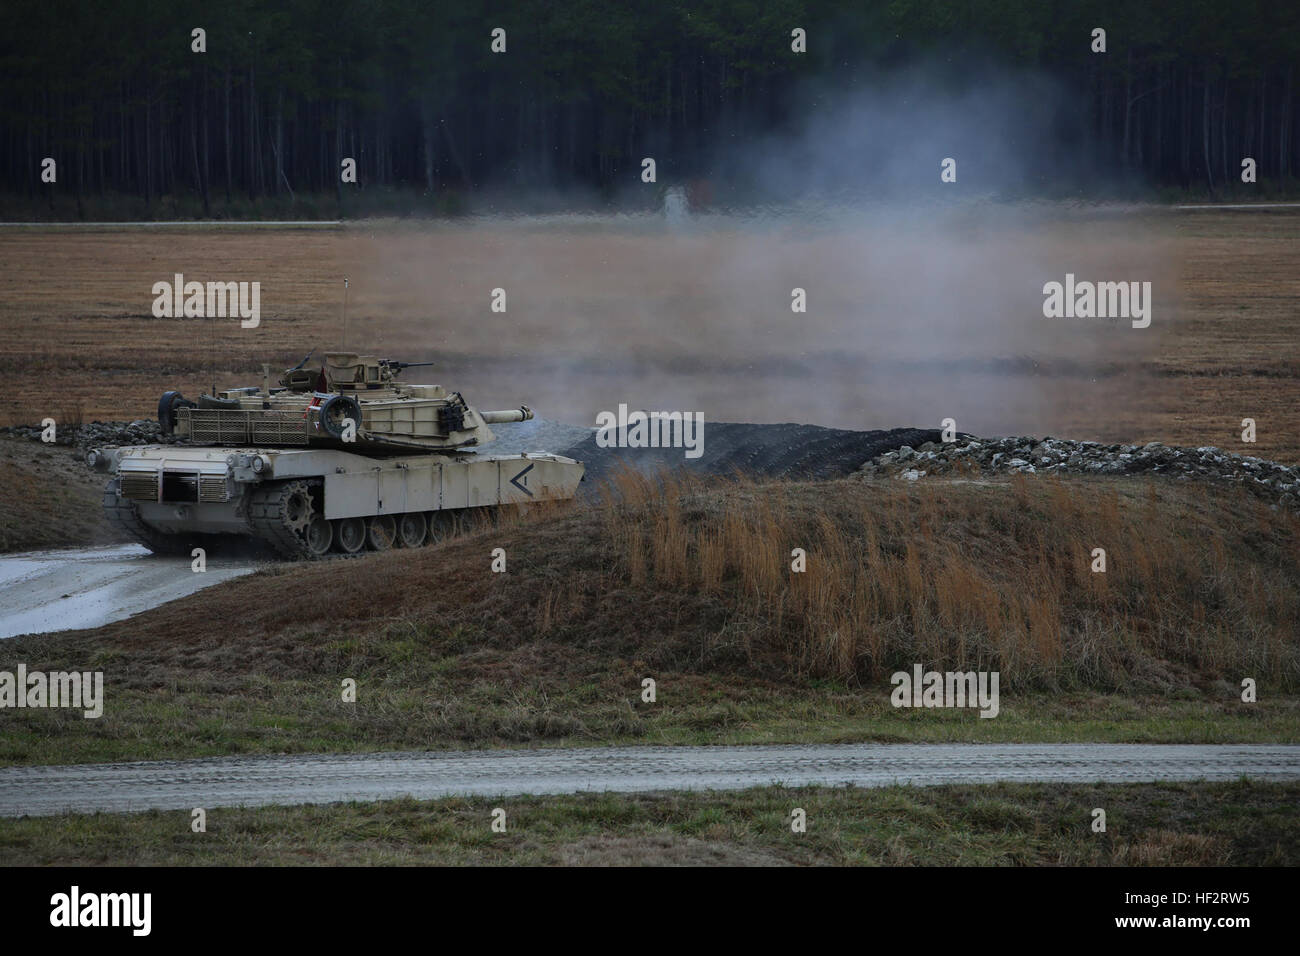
x=43, y=591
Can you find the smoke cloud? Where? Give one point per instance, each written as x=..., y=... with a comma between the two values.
x=924, y=297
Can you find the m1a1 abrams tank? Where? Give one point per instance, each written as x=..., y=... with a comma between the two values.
x=340, y=457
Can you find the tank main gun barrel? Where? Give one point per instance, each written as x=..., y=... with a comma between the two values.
x=521, y=414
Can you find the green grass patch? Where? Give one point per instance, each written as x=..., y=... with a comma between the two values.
x=298, y=716
x=1171, y=824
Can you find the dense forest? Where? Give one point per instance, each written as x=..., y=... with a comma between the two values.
x=413, y=91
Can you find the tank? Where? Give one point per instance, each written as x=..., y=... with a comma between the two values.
x=338, y=457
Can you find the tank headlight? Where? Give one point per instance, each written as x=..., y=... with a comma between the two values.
x=230, y=460
x=259, y=465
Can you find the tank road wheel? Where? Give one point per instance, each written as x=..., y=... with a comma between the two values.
x=411, y=530
x=381, y=532
x=443, y=525
x=350, y=535
x=289, y=517
x=319, y=536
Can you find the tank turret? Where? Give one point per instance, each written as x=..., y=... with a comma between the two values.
x=343, y=400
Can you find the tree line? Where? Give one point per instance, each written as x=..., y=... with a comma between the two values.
x=413, y=91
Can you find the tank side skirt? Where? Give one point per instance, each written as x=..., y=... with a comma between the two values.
x=401, y=488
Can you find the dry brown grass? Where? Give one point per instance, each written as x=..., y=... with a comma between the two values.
x=974, y=577
x=1165, y=848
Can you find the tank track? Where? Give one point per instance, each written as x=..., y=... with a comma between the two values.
x=270, y=520
x=123, y=516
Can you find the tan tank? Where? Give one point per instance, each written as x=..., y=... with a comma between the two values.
x=339, y=456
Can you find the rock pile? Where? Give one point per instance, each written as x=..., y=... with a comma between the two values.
x=1057, y=455
x=139, y=432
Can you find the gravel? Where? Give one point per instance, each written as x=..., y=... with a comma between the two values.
x=1030, y=456
x=325, y=778
x=142, y=431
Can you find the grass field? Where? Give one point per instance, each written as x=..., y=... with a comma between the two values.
x=692, y=588
x=910, y=319
x=1176, y=824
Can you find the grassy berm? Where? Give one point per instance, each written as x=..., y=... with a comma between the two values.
x=690, y=583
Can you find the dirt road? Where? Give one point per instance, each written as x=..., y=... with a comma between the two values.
x=255, y=781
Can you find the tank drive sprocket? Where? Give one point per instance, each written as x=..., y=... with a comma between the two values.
x=287, y=516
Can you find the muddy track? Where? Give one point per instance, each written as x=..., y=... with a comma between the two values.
x=328, y=778
x=771, y=451
x=42, y=591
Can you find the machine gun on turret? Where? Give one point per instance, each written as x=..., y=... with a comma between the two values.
x=395, y=367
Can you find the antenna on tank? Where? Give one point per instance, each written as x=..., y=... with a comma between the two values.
x=212, y=351
x=345, y=312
